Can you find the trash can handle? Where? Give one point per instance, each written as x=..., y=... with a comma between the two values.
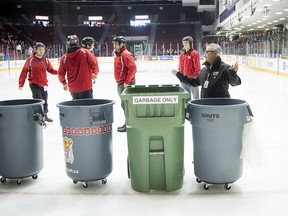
x=97, y=118
x=249, y=114
x=250, y=111
x=187, y=112
x=39, y=117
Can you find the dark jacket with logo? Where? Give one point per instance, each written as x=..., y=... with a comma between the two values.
x=219, y=76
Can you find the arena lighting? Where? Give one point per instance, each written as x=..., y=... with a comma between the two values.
x=41, y=17
x=95, y=18
x=139, y=23
x=141, y=17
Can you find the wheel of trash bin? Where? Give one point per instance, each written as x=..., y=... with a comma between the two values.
x=75, y=182
x=206, y=186
x=3, y=180
x=104, y=181
x=34, y=176
x=19, y=181
x=198, y=180
x=227, y=186
x=85, y=184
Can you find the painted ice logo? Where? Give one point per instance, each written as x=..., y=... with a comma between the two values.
x=155, y=100
x=68, y=151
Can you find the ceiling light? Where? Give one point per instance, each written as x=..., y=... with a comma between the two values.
x=267, y=5
x=276, y=21
x=282, y=19
x=259, y=21
x=269, y=23
x=278, y=13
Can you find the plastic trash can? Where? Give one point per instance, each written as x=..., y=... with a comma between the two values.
x=21, y=139
x=155, y=135
x=217, y=128
x=87, y=138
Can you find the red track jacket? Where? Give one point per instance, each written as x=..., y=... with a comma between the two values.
x=36, y=70
x=78, y=67
x=189, y=63
x=124, y=67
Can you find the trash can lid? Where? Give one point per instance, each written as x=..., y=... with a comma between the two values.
x=217, y=102
x=85, y=103
x=20, y=102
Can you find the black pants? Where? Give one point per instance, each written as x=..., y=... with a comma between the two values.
x=120, y=89
x=38, y=92
x=82, y=95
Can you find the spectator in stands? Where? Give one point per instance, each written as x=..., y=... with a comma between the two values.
x=189, y=65
x=78, y=70
x=36, y=67
x=124, y=69
x=215, y=77
x=30, y=51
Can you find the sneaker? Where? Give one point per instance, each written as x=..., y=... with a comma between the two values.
x=48, y=119
x=122, y=128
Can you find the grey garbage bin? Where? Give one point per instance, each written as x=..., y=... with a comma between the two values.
x=87, y=138
x=217, y=128
x=21, y=139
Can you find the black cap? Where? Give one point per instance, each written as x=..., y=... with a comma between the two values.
x=72, y=40
x=39, y=44
x=190, y=39
x=87, y=41
x=119, y=39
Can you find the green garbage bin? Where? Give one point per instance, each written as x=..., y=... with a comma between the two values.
x=155, y=116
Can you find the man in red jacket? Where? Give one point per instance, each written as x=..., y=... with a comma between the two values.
x=124, y=69
x=36, y=66
x=189, y=65
x=80, y=67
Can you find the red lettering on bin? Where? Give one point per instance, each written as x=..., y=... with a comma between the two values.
x=109, y=127
x=86, y=131
x=73, y=131
x=80, y=131
x=102, y=129
x=68, y=130
x=105, y=129
x=93, y=131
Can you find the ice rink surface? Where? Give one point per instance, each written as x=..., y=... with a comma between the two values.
x=262, y=189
